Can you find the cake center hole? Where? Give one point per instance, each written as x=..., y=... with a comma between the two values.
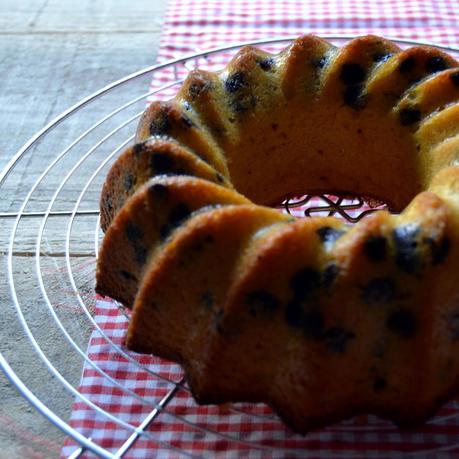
x=349, y=208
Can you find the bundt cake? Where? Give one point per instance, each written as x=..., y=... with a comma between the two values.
x=320, y=319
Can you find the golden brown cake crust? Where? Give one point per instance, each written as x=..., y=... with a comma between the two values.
x=318, y=319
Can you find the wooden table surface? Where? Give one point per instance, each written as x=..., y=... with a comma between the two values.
x=52, y=54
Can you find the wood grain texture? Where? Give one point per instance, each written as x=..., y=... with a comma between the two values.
x=52, y=54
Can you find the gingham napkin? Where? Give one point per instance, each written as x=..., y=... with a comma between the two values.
x=122, y=389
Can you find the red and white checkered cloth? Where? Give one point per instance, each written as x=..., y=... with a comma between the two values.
x=126, y=387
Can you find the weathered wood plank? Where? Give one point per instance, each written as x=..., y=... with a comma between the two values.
x=52, y=54
x=98, y=16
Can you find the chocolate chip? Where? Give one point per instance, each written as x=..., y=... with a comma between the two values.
x=330, y=273
x=261, y=302
x=195, y=89
x=161, y=163
x=379, y=384
x=128, y=276
x=439, y=250
x=304, y=282
x=381, y=57
x=406, y=247
x=235, y=82
x=128, y=182
x=337, y=338
x=379, y=290
x=375, y=248
x=109, y=204
x=160, y=124
x=455, y=78
x=312, y=324
x=319, y=63
x=133, y=232
x=179, y=213
x=294, y=313
x=329, y=235
x=453, y=326
x=352, y=74
x=402, y=323
x=436, y=64
x=266, y=64
x=186, y=121
x=176, y=217
x=159, y=189
x=138, y=148
x=218, y=318
x=407, y=65
x=140, y=254
x=242, y=103
x=353, y=96
x=409, y=116
x=207, y=300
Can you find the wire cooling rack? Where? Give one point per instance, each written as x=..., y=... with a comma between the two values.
x=52, y=227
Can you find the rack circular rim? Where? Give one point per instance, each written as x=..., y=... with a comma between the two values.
x=15, y=380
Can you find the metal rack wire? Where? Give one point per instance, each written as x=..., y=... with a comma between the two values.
x=53, y=242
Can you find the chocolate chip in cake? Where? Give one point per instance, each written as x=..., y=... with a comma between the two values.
x=176, y=217
x=294, y=313
x=453, y=326
x=160, y=124
x=353, y=96
x=407, y=65
x=379, y=290
x=319, y=63
x=352, y=74
x=186, y=121
x=207, y=300
x=329, y=235
x=195, y=89
x=266, y=64
x=161, y=163
x=138, y=148
x=402, y=322
x=455, y=78
x=140, y=254
x=439, y=250
x=241, y=104
x=129, y=181
x=236, y=81
x=218, y=318
x=133, y=232
x=329, y=275
x=436, y=64
x=261, y=302
x=312, y=324
x=381, y=57
x=406, y=247
x=379, y=384
x=337, y=339
x=179, y=213
x=409, y=116
x=159, y=189
x=304, y=282
x=128, y=276
x=109, y=204
x=375, y=248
